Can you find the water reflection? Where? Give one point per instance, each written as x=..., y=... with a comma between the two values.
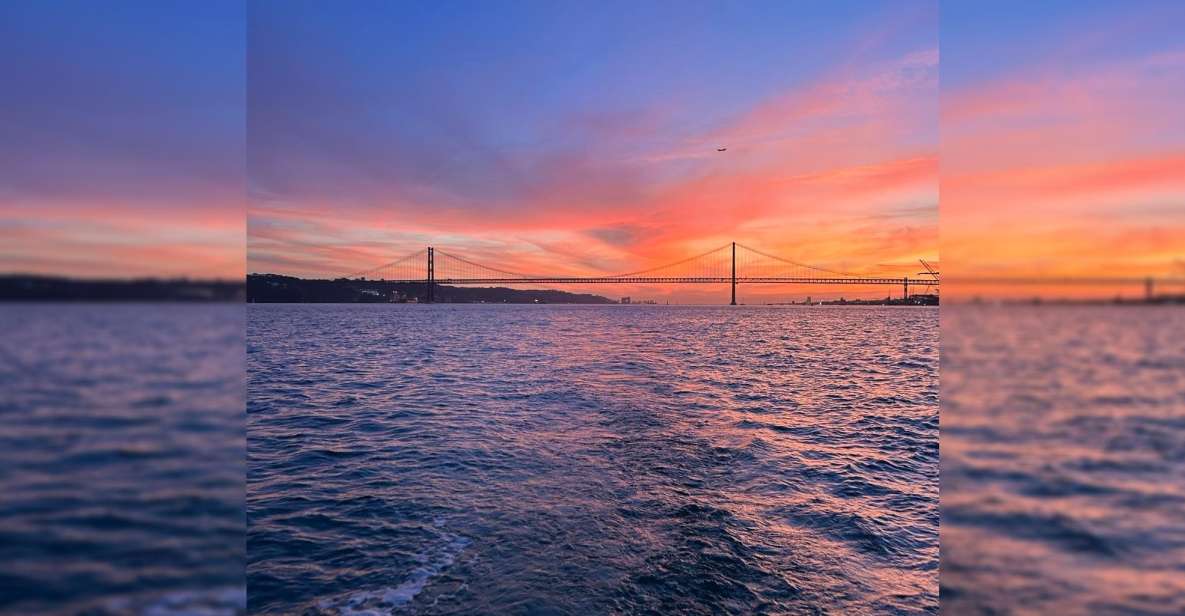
x=121, y=459
x=1063, y=459
x=575, y=460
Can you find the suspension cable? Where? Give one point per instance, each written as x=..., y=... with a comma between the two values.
x=797, y=264
x=680, y=262
x=386, y=265
x=478, y=265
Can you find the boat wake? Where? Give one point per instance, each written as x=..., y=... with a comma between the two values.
x=390, y=600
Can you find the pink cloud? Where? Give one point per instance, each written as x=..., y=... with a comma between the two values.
x=1067, y=168
x=831, y=156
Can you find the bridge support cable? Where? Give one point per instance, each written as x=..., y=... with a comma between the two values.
x=730, y=264
x=710, y=264
x=759, y=264
x=450, y=267
x=431, y=275
x=408, y=267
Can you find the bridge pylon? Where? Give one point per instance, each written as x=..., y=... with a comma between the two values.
x=431, y=275
x=734, y=274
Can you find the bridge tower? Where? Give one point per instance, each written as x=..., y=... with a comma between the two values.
x=734, y=274
x=431, y=276
x=905, y=294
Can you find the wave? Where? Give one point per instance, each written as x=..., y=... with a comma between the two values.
x=388, y=600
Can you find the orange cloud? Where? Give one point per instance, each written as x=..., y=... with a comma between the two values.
x=842, y=173
x=99, y=239
x=1066, y=170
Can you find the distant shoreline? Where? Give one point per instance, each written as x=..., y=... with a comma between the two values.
x=34, y=288
x=276, y=288
x=1161, y=300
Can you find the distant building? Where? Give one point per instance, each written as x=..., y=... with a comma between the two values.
x=625, y=300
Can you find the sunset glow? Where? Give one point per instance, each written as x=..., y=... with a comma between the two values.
x=1065, y=156
x=581, y=145
x=123, y=150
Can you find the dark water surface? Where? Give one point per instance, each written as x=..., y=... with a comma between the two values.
x=121, y=459
x=453, y=459
x=1063, y=460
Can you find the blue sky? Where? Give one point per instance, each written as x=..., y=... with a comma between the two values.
x=123, y=138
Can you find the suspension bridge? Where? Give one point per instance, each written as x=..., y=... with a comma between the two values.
x=730, y=264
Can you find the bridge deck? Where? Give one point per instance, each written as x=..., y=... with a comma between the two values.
x=669, y=280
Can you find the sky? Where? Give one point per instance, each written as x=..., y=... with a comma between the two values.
x=577, y=138
x=159, y=139
x=1063, y=142
x=123, y=138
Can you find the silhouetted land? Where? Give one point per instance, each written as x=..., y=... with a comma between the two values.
x=21, y=287
x=1089, y=301
x=271, y=288
x=921, y=299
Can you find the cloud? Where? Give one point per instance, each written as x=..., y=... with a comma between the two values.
x=1065, y=167
x=619, y=235
x=123, y=150
x=348, y=170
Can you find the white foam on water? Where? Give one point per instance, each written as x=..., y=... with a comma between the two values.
x=214, y=602
x=228, y=601
x=384, y=601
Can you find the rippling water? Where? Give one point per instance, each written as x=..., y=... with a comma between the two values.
x=1063, y=460
x=582, y=460
x=121, y=459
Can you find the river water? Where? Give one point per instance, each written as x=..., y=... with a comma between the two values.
x=467, y=459
x=121, y=459
x=1063, y=460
